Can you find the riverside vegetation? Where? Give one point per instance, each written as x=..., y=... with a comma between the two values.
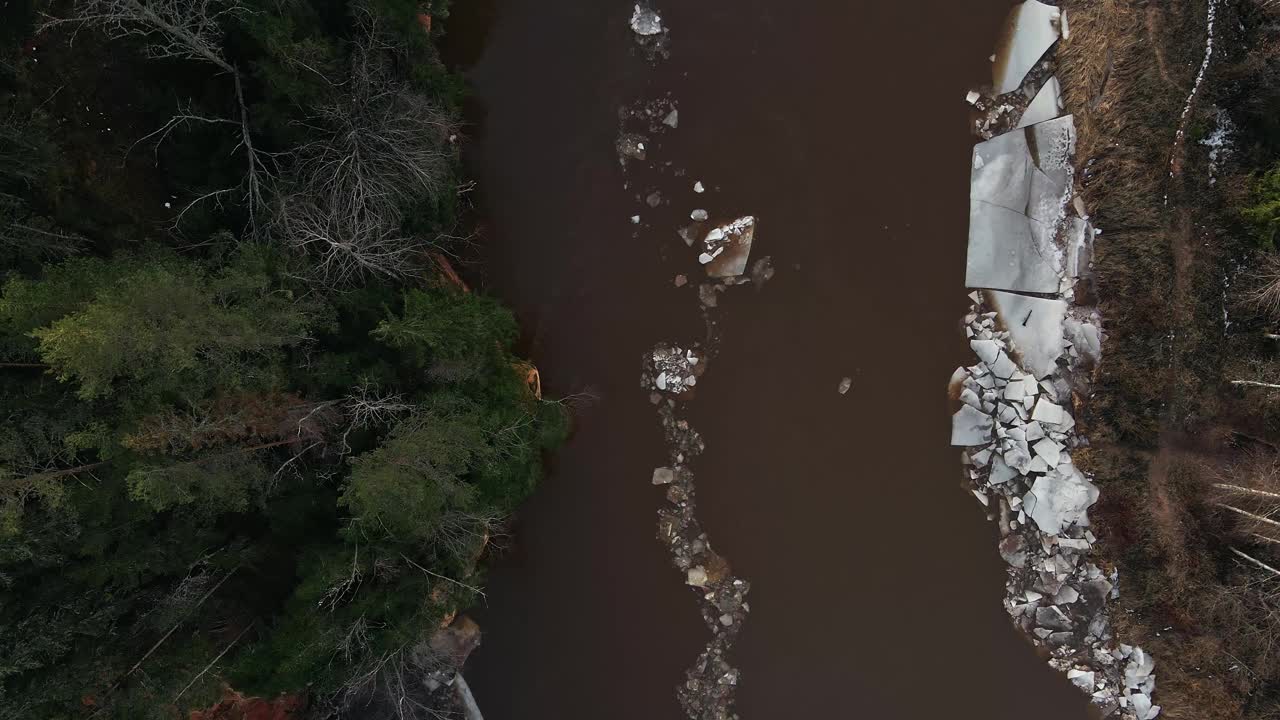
x=256, y=435
x=1186, y=415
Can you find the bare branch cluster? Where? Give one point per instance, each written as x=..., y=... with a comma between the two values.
x=462, y=535
x=406, y=684
x=1264, y=285
x=368, y=406
x=184, y=30
x=377, y=150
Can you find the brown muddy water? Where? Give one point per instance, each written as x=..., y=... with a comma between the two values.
x=876, y=586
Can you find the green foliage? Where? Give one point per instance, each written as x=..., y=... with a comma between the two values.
x=445, y=325
x=157, y=324
x=215, y=485
x=398, y=491
x=1263, y=215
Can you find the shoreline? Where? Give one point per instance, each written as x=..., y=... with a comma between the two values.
x=1037, y=333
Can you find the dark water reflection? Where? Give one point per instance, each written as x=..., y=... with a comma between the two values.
x=876, y=585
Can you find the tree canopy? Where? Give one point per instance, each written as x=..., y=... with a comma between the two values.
x=250, y=435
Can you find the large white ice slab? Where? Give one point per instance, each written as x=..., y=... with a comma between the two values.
x=1035, y=328
x=1032, y=28
x=1019, y=189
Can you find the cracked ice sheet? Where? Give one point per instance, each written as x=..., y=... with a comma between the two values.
x=1035, y=328
x=1032, y=28
x=1057, y=501
x=1015, y=206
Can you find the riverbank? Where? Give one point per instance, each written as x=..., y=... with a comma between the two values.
x=1037, y=334
x=1167, y=145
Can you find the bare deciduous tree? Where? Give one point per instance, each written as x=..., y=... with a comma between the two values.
x=367, y=406
x=463, y=535
x=377, y=149
x=1264, y=285
x=186, y=30
x=1249, y=489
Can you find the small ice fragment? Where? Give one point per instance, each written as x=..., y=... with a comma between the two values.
x=699, y=214
x=697, y=187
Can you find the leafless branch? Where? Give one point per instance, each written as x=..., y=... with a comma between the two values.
x=462, y=535
x=340, y=591
x=366, y=406
x=459, y=583
x=1256, y=562
x=1255, y=383
x=186, y=30
x=212, y=662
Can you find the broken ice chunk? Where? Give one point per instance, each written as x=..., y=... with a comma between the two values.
x=986, y=350
x=1045, y=105
x=1049, y=450
x=733, y=240
x=1082, y=679
x=1085, y=338
x=971, y=427
x=1057, y=501
x=1003, y=368
x=1046, y=411
x=1001, y=472
x=645, y=21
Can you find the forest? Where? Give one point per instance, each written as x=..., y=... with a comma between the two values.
x=257, y=433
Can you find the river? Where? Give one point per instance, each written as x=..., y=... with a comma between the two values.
x=876, y=586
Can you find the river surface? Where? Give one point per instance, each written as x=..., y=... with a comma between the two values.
x=876, y=586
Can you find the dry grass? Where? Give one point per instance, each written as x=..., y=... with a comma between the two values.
x=1161, y=420
x=1097, y=63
